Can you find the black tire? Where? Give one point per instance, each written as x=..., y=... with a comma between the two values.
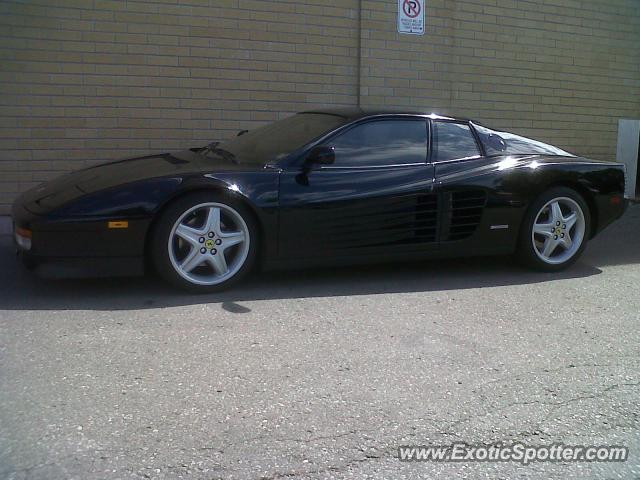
x=526, y=252
x=159, y=251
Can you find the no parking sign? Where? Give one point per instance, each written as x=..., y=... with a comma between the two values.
x=411, y=16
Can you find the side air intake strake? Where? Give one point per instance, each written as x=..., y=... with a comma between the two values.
x=466, y=209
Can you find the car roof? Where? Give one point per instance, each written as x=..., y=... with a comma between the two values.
x=357, y=113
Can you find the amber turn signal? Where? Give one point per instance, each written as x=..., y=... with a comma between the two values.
x=118, y=224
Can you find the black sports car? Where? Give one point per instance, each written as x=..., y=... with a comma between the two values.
x=321, y=188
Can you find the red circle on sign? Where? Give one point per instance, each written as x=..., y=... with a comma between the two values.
x=411, y=8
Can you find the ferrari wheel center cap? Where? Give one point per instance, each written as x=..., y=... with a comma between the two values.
x=209, y=243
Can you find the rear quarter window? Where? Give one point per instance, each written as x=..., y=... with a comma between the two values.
x=452, y=141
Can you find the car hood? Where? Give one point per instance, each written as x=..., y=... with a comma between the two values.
x=68, y=187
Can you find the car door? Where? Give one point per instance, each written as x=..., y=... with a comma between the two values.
x=375, y=199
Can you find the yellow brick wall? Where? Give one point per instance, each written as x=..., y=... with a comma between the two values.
x=84, y=81
x=562, y=71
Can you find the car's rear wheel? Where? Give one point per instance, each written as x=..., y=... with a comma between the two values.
x=555, y=230
x=205, y=242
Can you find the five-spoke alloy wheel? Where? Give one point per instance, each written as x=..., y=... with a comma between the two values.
x=204, y=244
x=558, y=231
x=555, y=231
x=208, y=243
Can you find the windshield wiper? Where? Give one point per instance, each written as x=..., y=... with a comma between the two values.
x=213, y=148
x=210, y=146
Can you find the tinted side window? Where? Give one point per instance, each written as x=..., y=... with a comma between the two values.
x=453, y=140
x=382, y=142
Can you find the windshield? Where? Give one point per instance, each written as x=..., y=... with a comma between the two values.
x=503, y=143
x=275, y=141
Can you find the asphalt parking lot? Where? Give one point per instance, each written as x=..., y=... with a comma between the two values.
x=322, y=373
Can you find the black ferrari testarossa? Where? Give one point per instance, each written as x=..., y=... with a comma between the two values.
x=328, y=187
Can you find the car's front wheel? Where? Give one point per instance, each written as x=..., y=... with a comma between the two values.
x=555, y=230
x=204, y=242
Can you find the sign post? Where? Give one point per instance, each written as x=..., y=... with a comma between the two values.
x=411, y=17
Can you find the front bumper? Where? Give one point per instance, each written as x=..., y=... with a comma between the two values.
x=80, y=247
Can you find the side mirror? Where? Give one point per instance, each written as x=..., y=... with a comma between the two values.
x=321, y=156
x=242, y=132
